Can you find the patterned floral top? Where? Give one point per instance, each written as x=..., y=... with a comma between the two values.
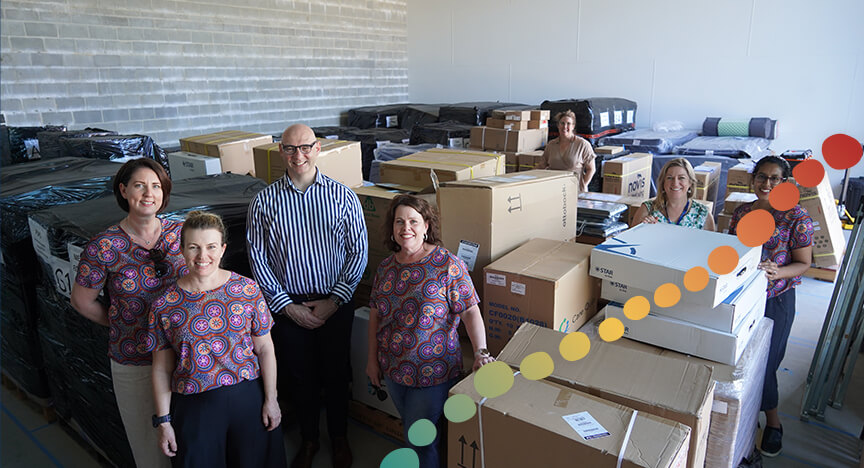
x=418, y=308
x=113, y=261
x=794, y=230
x=211, y=333
x=695, y=217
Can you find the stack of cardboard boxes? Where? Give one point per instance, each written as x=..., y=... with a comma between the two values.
x=233, y=148
x=513, y=131
x=738, y=178
x=733, y=201
x=628, y=175
x=340, y=160
x=707, y=182
x=829, y=244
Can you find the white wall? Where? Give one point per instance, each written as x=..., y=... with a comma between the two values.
x=800, y=62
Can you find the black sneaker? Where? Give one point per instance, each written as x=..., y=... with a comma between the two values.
x=772, y=441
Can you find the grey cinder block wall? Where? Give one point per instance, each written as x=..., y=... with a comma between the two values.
x=170, y=69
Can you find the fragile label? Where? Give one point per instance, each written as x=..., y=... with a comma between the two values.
x=604, y=119
x=630, y=115
x=496, y=279
x=586, y=426
x=468, y=253
x=517, y=288
x=618, y=117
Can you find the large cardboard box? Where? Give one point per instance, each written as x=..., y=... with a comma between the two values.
x=828, y=240
x=628, y=175
x=736, y=199
x=689, y=338
x=360, y=390
x=650, y=255
x=483, y=219
x=723, y=221
x=725, y=317
x=707, y=173
x=413, y=172
x=666, y=387
x=232, y=147
x=508, y=140
x=738, y=179
x=542, y=424
x=530, y=160
x=507, y=124
x=511, y=162
x=544, y=282
x=340, y=160
x=187, y=165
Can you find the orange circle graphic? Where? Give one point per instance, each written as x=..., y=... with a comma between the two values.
x=723, y=260
x=808, y=173
x=696, y=279
x=755, y=228
x=784, y=197
x=841, y=151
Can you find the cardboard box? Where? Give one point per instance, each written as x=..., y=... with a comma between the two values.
x=413, y=172
x=544, y=282
x=689, y=338
x=649, y=255
x=725, y=317
x=340, y=160
x=540, y=115
x=518, y=115
x=610, y=150
x=379, y=421
x=187, y=165
x=738, y=178
x=511, y=162
x=360, y=390
x=483, y=219
x=534, y=424
x=232, y=147
x=708, y=194
x=530, y=160
x=736, y=199
x=723, y=221
x=666, y=387
x=628, y=175
x=514, y=141
x=538, y=124
x=707, y=173
x=829, y=244
x=507, y=124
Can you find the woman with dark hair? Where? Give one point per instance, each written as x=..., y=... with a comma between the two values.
x=211, y=343
x=570, y=152
x=785, y=257
x=419, y=295
x=133, y=261
x=675, y=204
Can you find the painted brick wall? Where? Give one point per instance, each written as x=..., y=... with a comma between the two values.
x=170, y=69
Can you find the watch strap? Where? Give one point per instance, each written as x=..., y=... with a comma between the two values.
x=157, y=420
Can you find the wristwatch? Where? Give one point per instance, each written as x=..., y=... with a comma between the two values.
x=337, y=300
x=482, y=352
x=157, y=420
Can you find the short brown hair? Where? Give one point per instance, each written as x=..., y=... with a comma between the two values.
x=427, y=211
x=203, y=220
x=566, y=113
x=125, y=173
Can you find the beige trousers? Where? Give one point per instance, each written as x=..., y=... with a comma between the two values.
x=134, y=392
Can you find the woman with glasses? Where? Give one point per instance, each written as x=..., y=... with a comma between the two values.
x=419, y=296
x=674, y=203
x=570, y=152
x=133, y=261
x=211, y=343
x=785, y=257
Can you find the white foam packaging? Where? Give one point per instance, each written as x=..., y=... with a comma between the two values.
x=650, y=255
x=725, y=317
x=689, y=338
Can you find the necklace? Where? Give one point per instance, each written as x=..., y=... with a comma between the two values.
x=138, y=238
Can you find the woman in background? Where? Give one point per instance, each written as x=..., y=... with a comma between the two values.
x=570, y=152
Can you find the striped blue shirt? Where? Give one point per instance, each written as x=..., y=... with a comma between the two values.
x=311, y=242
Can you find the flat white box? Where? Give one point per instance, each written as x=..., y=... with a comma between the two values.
x=689, y=338
x=359, y=351
x=725, y=317
x=650, y=255
x=187, y=165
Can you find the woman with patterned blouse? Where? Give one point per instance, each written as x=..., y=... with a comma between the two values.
x=675, y=204
x=419, y=295
x=133, y=261
x=785, y=257
x=211, y=341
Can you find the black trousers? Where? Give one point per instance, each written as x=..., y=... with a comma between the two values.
x=223, y=428
x=314, y=360
x=780, y=309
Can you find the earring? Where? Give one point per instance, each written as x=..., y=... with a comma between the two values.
x=425, y=236
x=391, y=238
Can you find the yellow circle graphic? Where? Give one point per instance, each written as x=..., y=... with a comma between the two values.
x=536, y=366
x=637, y=308
x=493, y=379
x=574, y=346
x=667, y=295
x=611, y=329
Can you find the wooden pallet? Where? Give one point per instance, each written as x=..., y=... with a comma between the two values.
x=378, y=420
x=42, y=405
x=824, y=274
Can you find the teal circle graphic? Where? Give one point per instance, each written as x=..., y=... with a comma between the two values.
x=422, y=433
x=459, y=408
x=401, y=458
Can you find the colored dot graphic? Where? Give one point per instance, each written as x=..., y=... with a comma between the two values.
x=754, y=229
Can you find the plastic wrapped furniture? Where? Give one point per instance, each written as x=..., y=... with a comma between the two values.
x=450, y=133
x=20, y=144
x=732, y=146
x=650, y=141
x=385, y=116
x=369, y=140
x=335, y=133
x=117, y=148
x=50, y=145
x=595, y=117
x=472, y=113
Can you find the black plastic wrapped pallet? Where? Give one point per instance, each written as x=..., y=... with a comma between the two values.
x=472, y=113
x=75, y=351
x=368, y=139
x=376, y=116
x=418, y=114
x=328, y=132
x=51, y=147
x=22, y=143
x=440, y=133
x=115, y=148
x=19, y=342
x=617, y=114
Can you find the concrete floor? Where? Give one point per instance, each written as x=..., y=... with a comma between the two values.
x=26, y=440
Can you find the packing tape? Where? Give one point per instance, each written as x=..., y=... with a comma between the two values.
x=480, y=425
x=483, y=138
x=470, y=167
x=627, y=174
x=468, y=152
x=830, y=254
x=747, y=187
x=209, y=138
x=626, y=439
x=812, y=197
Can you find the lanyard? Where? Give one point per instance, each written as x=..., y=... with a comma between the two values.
x=680, y=218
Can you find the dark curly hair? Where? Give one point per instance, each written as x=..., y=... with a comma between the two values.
x=782, y=163
x=125, y=173
x=427, y=211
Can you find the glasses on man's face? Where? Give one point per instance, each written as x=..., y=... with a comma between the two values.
x=291, y=149
x=159, y=262
x=761, y=178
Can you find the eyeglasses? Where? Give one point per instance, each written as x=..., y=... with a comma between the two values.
x=761, y=178
x=291, y=149
x=379, y=392
x=159, y=262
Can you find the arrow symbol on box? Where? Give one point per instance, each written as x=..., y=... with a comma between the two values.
x=473, y=454
x=462, y=455
x=518, y=206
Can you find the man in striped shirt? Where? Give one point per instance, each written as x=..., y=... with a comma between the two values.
x=308, y=248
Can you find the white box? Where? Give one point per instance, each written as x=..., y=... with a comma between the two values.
x=689, y=338
x=725, y=317
x=359, y=351
x=187, y=165
x=650, y=255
